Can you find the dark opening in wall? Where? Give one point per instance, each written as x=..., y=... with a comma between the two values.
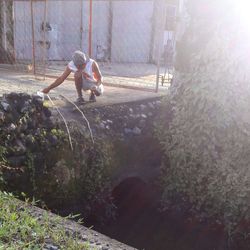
x=137, y=218
x=131, y=197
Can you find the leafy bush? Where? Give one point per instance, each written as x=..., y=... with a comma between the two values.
x=207, y=140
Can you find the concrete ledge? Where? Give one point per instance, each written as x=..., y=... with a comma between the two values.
x=96, y=240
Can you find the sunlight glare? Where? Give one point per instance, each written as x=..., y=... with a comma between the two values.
x=242, y=8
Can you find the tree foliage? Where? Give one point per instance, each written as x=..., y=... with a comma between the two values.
x=207, y=140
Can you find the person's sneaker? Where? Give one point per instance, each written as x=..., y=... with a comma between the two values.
x=92, y=97
x=79, y=100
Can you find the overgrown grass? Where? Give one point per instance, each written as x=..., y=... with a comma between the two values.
x=21, y=229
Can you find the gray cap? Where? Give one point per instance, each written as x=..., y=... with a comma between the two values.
x=79, y=58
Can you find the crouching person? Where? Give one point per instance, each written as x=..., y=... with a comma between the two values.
x=87, y=76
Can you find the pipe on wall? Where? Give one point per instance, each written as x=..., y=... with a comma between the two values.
x=90, y=26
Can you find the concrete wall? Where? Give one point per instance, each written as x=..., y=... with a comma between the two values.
x=64, y=17
x=6, y=32
x=56, y=35
x=122, y=31
x=164, y=34
x=131, y=31
x=22, y=31
x=101, y=30
x=67, y=31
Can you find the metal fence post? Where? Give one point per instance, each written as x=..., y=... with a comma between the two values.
x=33, y=38
x=161, y=10
x=81, y=26
x=90, y=26
x=44, y=39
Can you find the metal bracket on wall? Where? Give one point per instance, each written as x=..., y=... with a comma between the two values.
x=45, y=26
x=46, y=43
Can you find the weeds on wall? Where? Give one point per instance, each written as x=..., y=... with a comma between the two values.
x=36, y=158
x=23, y=229
x=80, y=178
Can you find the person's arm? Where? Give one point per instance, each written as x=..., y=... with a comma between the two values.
x=58, y=81
x=97, y=73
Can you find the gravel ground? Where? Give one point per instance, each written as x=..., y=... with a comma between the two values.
x=21, y=82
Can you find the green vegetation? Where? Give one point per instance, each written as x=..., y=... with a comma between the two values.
x=19, y=229
x=206, y=129
x=36, y=159
x=78, y=177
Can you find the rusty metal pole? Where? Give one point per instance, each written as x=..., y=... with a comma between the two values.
x=161, y=10
x=14, y=30
x=90, y=26
x=81, y=26
x=33, y=38
x=44, y=39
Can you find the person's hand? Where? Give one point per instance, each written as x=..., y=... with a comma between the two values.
x=94, y=88
x=46, y=90
x=99, y=82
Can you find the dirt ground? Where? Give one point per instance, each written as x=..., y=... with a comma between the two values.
x=139, y=75
x=11, y=81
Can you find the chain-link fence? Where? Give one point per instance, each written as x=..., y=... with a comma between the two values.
x=133, y=41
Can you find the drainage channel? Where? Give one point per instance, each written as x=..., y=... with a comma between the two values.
x=140, y=224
